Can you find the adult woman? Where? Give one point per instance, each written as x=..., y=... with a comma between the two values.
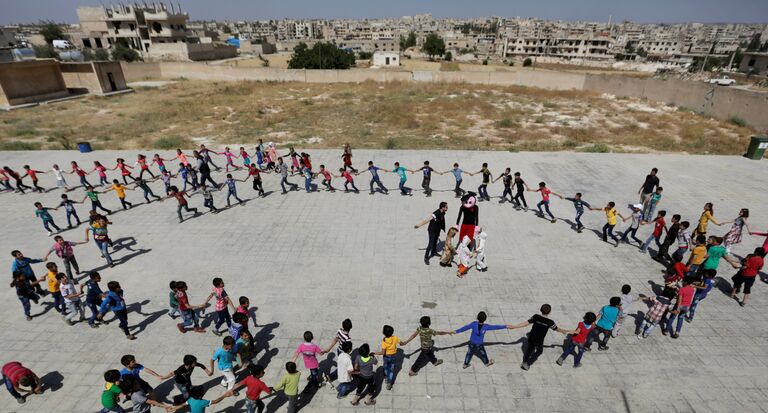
x=733, y=236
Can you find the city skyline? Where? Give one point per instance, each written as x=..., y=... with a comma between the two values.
x=650, y=11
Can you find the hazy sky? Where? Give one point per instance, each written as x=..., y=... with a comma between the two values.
x=750, y=11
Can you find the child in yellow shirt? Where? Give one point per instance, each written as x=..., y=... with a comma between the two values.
x=389, y=350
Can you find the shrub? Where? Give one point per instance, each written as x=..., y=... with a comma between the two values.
x=527, y=62
x=597, y=148
x=505, y=123
x=485, y=62
x=737, y=121
x=171, y=142
x=19, y=146
x=390, y=143
x=448, y=56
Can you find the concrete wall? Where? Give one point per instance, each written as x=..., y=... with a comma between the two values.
x=93, y=77
x=134, y=72
x=720, y=102
x=31, y=81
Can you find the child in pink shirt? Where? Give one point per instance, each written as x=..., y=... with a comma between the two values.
x=310, y=351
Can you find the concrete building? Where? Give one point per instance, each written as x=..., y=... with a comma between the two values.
x=93, y=77
x=754, y=63
x=156, y=31
x=31, y=82
x=386, y=59
x=586, y=47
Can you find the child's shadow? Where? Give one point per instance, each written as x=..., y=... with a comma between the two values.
x=277, y=401
x=656, y=288
x=723, y=285
x=149, y=318
x=52, y=381
x=264, y=336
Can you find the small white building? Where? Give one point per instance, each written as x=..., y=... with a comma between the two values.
x=385, y=59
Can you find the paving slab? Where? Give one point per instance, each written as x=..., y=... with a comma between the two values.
x=308, y=261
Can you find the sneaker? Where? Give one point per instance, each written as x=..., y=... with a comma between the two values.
x=216, y=332
x=688, y=320
x=587, y=348
x=465, y=366
x=577, y=365
x=490, y=363
x=413, y=373
x=664, y=331
x=640, y=336
x=553, y=221
x=369, y=402
x=559, y=361
x=525, y=366
x=50, y=233
x=389, y=386
x=602, y=348
x=438, y=362
x=675, y=335
x=131, y=337
x=181, y=328
x=93, y=326
x=21, y=400
x=426, y=261
x=198, y=330
x=29, y=318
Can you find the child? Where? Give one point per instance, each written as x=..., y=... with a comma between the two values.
x=114, y=301
x=110, y=397
x=309, y=352
x=71, y=299
x=141, y=183
x=160, y=162
x=102, y=171
x=4, y=181
x=659, y=306
x=307, y=173
x=520, y=187
x=60, y=181
x=69, y=207
x=540, y=326
x=427, y=351
x=185, y=172
x=345, y=369
x=289, y=384
x=183, y=204
x=224, y=357
x=124, y=170
x=698, y=254
x=32, y=173
x=672, y=231
x=706, y=216
x=714, y=253
x=448, y=249
x=346, y=157
x=93, y=195
x=17, y=377
x=348, y=180
x=230, y=159
x=254, y=387
x=482, y=190
x=208, y=198
x=25, y=291
x=173, y=303
x=476, y=345
x=141, y=400
x=610, y=215
x=752, y=265
x=404, y=190
x=133, y=369
x=702, y=290
x=465, y=254
x=578, y=339
x=232, y=189
x=244, y=347
x=545, y=192
x=244, y=308
x=682, y=305
x=389, y=351
x=120, y=191
x=222, y=301
x=605, y=323
x=254, y=171
x=94, y=297
x=239, y=322
x=456, y=171
x=42, y=213
x=626, y=301
x=188, y=312
x=166, y=176
x=637, y=219
x=683, y=241
x=326, y=179
x=282, y=168
x=141, y=162
x=506, y=178
x=659, y=227
x=260, y=157
x=207, y=157
x=479, y=252
x=374, y=170
x=182, y=377
x=246, y=157
x=579, y=204
x=54, y=287
x=366, y=375
x=80, y=173
x=650, y=204
x=196, y=402
x=63, y=250
x=294, y=160
x=427, y=178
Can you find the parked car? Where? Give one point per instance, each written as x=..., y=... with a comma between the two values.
x=722, y=81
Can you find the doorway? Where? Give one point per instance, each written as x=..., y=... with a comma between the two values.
x=112, y=85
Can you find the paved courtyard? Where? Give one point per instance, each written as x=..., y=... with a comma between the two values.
x=307, y=261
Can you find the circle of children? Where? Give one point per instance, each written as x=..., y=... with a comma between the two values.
x=687, y=282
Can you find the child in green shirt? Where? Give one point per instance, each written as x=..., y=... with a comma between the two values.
x=289, y=383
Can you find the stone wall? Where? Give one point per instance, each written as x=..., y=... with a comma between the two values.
x=31, y=81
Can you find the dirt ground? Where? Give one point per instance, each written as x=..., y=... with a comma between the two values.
x=369, y=115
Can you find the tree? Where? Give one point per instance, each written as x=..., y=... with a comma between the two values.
x=434, y=46
x=364, y=55
x=125, y=53
x=226, y=29
x=51, y=31
x=101, y=54
x=448, y=56
x=410, y=41
x=527, y=62
x=45, y=52
x=321, y=56
x=641, y=52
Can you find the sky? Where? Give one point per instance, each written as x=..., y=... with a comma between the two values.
x=642, y=11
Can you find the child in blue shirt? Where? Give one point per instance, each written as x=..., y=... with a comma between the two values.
x=196, y=402
x=224, y=357
x=477, y=339
x=605, y=323
x=43, y=214
x=702, y=290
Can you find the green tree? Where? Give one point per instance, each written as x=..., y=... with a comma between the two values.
x=320, y=56
x=125, y=53
x=51, y=31
x=434, y=46
x=448, y=56
x=45, y=52
x=101, y=54
x=406, y=42
x=527, y=62
x=364, y=55
x=641, y=52
x=226, y=29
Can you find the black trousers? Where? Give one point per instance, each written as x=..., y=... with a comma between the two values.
x=432, y=245
x=532, y=352
x=258, y=187
x=427, y=355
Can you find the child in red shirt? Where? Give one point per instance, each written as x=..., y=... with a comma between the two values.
x=578, y=340
x=751, y=265
x=254, y=387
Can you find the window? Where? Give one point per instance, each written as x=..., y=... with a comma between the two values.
x=751, y=62
x=87, y=43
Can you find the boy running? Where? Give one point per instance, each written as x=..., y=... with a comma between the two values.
x=427, y=351
x=540, y=326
